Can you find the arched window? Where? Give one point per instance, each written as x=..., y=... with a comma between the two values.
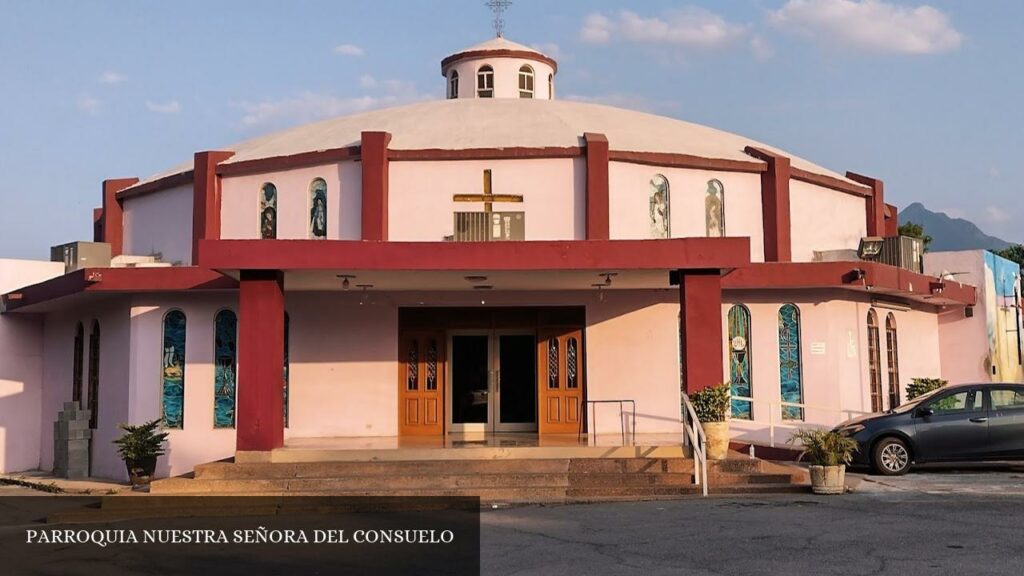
x=740, y=362
x=225, y=376
x=874, y=362
x=485, y=82
x=173, y=372
x=551, y=86
x=268, y=211
x=318, y=209
x=791, y=378
x=893, y=355
x=287, y=364
x=453, y=85
x=525, y=82
x=714, y=209
x=77, y=366
x=660, y=207
x=94, y=374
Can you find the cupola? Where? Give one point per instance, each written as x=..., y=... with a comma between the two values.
x=500, y=68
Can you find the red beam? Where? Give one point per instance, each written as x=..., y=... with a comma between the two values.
x=206, y=198
x=598, y=221
x=700, y=327
x=260, y=361
x=375, y=185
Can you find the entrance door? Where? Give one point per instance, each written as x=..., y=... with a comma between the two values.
x=421, y=384
x=493, y=381
x=470, y=397
x=560, y=381
x=515, y=389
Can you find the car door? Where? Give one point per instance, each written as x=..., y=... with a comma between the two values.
x=1005, y=421
x=952, y=426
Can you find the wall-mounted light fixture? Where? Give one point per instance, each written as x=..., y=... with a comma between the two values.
x=870, y=246
x=345, y=280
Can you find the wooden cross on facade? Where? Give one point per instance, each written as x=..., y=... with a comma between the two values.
x=488, y=198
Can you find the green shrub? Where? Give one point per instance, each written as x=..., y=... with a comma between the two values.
x=919, y=386
x=141, y=441
x=825, y=447
x=712, y=404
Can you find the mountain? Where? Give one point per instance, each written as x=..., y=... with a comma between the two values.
x=950, y=233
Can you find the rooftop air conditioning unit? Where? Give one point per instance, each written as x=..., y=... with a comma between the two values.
x=489, y=226
x=78, y=255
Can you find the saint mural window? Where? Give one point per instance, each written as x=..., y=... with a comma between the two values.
x=268, y=212
x=77, y=366
x=714, y=209
x=453, y=85
x=790, y=363
x=225, y=377
x=173, y=371
x=318, y=209
x=526, y=82
x=94, y=374
x=660, y=207
x=485, y=82
x=893, y=355
x=874, y=362
x=740, y=362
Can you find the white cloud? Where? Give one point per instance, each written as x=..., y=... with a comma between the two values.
x=367, y=81
x=109, y=77
x=761, y=49
x=349, y=50
x=997, y=215
x=690, y=27
x=871, y=26
x=86, y=103
x=169, y=107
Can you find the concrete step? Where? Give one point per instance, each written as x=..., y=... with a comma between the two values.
x=728, y=479
x=735, y=466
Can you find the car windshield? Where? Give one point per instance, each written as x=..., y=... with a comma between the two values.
x=904, y=408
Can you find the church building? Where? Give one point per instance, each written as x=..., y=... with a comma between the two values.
x=497, y=262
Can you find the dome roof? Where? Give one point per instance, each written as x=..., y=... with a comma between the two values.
x=500, y=43
x=463, y=124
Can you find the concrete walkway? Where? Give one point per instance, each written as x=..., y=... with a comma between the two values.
x=42, y=483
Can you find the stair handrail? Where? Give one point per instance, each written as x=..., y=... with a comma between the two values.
x=694, y=436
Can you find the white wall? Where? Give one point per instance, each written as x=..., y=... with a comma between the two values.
x=160, y=222
x=824, y=219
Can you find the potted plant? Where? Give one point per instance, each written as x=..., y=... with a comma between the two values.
x=830, y=451
x=920, y=386
x=712, y=406
x=139, y=447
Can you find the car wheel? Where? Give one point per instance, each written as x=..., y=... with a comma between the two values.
x=891, y=457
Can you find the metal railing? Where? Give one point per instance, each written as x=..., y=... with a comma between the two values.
x=697, y=440
x=591, y=413
x=775, y=418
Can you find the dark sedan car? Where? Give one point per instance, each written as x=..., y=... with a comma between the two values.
x=966, y=422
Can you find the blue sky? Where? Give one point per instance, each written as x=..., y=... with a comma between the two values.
x=923, y=95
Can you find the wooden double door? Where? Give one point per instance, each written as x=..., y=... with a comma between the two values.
x=497, y=380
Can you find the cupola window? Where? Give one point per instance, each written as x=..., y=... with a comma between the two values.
x=453, y=85
x=526, y=82
x=485, y=82
x=551, y=86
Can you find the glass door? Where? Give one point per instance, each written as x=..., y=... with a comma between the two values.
x=515, y=393
x=471, y=375
x=493, y=381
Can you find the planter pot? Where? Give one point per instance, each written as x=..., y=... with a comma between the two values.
x=140, y=472
x=828, y=479
x=718, y=439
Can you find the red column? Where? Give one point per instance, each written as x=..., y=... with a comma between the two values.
x=597, y=186
x=875, y=204
x=775, y=216
x=113, y=214
x=206, y=198
x=374, y=156
x=892, y=221
x=260, y=361
x=700, y=328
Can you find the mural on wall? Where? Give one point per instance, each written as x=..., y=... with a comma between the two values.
x=268, y=212
x=318, y=209
x=174, y=369
x=790, y=367
x=739, y=361
x=225, y=354
x=714, y=209
x=660, y=207
x=1003, y=319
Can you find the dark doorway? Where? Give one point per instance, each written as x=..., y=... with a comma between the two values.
x=517, y=379
x=470, y=379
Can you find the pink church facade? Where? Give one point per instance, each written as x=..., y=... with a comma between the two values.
x=499, y=261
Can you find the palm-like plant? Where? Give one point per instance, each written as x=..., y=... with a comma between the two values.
x=712, y=403
x=825, y=447
x=140, y=441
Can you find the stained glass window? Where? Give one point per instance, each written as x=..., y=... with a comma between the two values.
x=714, y=209
x=79, y=361
x=740, y=362
x=893, y=355
x=572, y=363
x=225, y=378
x=268, y=211
x=874, y=362
x=318, y=209
x=553, y=363
x=94, y=374
x=287, y=364
x=660, y=207
x=412, y=366
x=432, y=365
x=790, y=367
x=174, y=370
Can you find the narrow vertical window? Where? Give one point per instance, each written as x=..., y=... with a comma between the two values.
x=526, y=82
x=287, y=366
x=77, y=366
x=551, y=86
x=174, y=370
x=412, y=366
x=714, y=209
x=740, y=362
x=485, y=82
x=94, y=374
x=874, y=362
x=660, y=207
x=318, y=209
x=453, y=85
x=553, y=363
x=572, y=363
x=225, y=356
x=790, y=367
x=432, y=365
x=893, y=356
x=268, y=211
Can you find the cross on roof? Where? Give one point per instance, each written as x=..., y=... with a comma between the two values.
x=499, y=7
x=488, y=197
